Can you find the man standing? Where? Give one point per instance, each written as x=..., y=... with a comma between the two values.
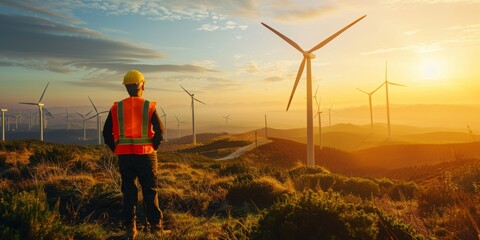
x=133, y=130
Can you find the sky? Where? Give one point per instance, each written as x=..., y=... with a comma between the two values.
x=219, y=50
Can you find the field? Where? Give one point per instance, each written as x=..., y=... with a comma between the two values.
x=55, y=191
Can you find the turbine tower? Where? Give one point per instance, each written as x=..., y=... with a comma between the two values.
x=3, y=122
x=67, y=118
x=370, y=104
x=329, y=116
x=178, y=126
x=84, y=121
x=386, y=83
x=165, y=120
x=40, y=111
x=307, y=57
x=193, y=114
x=319, y=114
x=227, y=117
x=99, y=121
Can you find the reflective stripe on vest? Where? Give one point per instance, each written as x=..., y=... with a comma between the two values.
x=121, y=125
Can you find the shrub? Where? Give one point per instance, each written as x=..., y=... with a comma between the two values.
x=328, y=215
x=436, y=198
x=235, y=168
x=27, y=215
x=316, y=216
x=361, y=187
x=55, y=155
x=403, y=191
x=469, y=178
x=315, y=181
x=298, y=171
x=262, y=192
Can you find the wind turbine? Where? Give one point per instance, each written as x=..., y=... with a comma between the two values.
x=67, y=118
x=370, y=103
x=99, y=121
x=307, y=57
x=178, y=126
x=386, y=83
x=40, y=111
x=319, y=114
x=193, y=113
x=18, y=118
x=84, y=120
x=227, y=117
x=165, y=120
x=3, y=122
x=329, y=115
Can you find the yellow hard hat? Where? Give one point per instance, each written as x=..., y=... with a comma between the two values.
x=133, y=77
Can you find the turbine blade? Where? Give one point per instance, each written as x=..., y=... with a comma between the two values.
x=28, y=103
x=324, y=42
x=299, y=74
x=92, y=117
x=290, y=41
x=177, y=119
x=330, y=108
x=315, y=95
x=47, y=113
x=199, y=101
x=381, y=85
x=103, y=112
x=43, y=93
x=163, y=111
x=363, y=91
x=80, y=114
x=315, y=115
x=88, y=113
x=93, y=104
x=185, y=90
x=397, y=84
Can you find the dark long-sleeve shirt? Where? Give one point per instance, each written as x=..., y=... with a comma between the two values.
x=157, y=128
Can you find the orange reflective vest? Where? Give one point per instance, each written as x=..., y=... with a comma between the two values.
x=132, y=126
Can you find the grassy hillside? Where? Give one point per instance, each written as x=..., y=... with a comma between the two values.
x=53, y=191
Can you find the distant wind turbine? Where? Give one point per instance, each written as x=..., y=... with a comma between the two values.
x=227, y=117
x=386, y=83
x=266, y=127
x=84, y=121
x=18, y=118
x=193, y=113
x=319, y=114
x=40, y=111
x=99, y=121
x=3, y=122
x=307, y=57
x=370, y=103
x=67, y=118
x=329, y=115
x=165, y=122
x=178, y=126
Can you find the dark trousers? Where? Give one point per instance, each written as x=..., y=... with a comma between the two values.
x=145, y=168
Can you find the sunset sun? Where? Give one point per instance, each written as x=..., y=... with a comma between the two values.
x=431, y=70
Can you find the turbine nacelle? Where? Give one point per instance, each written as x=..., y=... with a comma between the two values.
x=309, y=55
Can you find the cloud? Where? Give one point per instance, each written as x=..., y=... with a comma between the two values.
x=302, y=13
x=45, y=9
x=229, y=25
x=273, y=79
x=26, y=37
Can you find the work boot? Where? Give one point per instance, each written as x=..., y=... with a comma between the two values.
x=131, y=232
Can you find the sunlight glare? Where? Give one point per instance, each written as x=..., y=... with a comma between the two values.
x=431, y=70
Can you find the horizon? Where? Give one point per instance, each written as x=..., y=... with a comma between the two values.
x=236, y=66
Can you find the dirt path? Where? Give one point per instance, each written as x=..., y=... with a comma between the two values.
x=245, y=149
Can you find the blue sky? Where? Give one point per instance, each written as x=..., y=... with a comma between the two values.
x=220, y=51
